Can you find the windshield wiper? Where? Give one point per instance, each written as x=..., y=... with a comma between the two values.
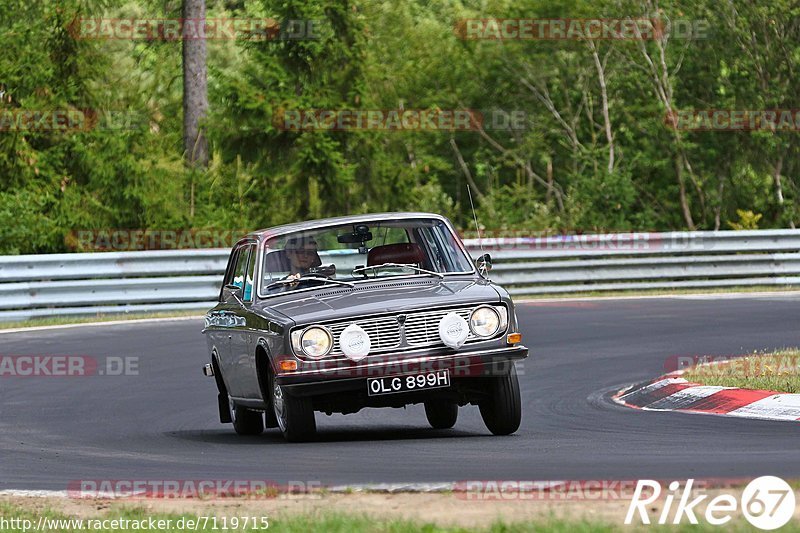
x=291, y=281
x=397, y=265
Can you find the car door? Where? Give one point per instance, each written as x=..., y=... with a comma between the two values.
x=224, y=318
x=242, y=338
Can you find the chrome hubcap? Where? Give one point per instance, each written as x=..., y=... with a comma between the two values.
x=278, y=405
x=233, y=408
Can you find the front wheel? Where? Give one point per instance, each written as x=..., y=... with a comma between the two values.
x=502, y=411
x=295, y=416
x=441, y=414
x=246, y=421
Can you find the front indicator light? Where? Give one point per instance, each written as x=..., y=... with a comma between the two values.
x=514, y=338
x=288, y=366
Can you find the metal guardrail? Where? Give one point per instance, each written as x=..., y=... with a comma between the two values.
x=34, y=286
x=642, y=261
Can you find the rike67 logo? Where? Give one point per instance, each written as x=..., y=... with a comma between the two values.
x=767, y=502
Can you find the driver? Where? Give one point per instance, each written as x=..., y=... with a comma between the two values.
x=302, y=255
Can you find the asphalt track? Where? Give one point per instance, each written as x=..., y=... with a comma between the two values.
x=162, y=423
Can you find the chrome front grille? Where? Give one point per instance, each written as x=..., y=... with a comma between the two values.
x=422, y=329
x=419, y=330
x=384, y=333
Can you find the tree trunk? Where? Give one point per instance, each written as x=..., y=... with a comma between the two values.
x=465, y=170
x=195, y=93
x=687, y=212
x=776, y=178
x=720, y=202
x=662, y=84
x=601, y=78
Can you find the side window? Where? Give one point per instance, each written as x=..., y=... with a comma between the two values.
x=455, y=257
x=231, y=270
x=247, y=294
x=241, y=266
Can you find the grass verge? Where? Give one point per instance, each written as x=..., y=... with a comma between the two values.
x=773, y=371
x=395, y=513
x=127, y=518
x=66, y=320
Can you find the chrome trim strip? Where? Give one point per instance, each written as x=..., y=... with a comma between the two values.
x=277, y=231
x=420, y=359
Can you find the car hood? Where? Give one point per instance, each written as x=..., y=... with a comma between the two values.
x=332, y=303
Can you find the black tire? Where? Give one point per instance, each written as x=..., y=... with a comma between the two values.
x=264, y=380
x=441, y=414
x=295, y=415
x=246, y=421
x=502, y=411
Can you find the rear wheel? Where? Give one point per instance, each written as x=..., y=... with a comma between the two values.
x=502, y=411
x=441, y=414
x=295, y=415
x=246, y=421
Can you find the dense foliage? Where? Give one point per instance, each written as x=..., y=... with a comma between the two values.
x=593, y=153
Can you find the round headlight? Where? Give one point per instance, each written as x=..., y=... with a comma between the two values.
x=316, y=341
x=484, y=322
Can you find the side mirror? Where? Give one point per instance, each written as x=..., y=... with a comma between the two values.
x=484, y=263
x=232, y=290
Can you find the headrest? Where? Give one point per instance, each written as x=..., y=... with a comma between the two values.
x=405, y=253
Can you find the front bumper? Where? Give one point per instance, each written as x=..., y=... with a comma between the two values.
x=327, y=380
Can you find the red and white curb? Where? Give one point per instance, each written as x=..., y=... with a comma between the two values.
x=673, y=393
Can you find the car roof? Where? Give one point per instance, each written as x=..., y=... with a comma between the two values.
x=351, y=219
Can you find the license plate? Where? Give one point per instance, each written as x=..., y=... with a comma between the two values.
x=415, y=382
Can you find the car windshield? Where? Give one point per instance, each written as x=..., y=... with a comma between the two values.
x=350, y=253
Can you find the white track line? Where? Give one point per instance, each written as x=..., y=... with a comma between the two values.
x=34, y=493
x=446, y=486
